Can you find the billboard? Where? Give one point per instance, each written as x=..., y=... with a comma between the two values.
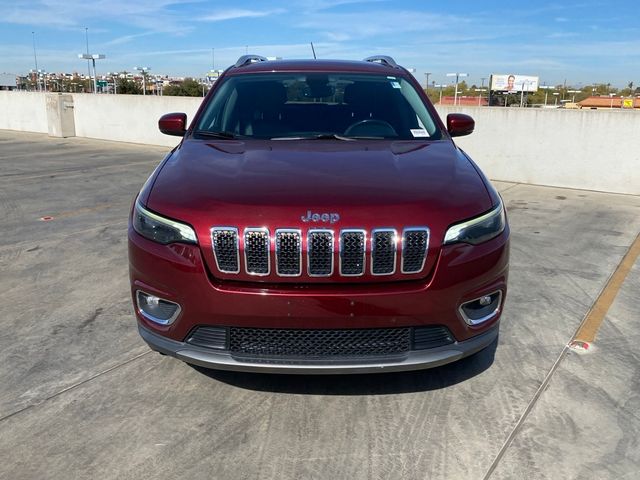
x=514, y=83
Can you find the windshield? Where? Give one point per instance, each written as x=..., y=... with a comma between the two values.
x=289, y=106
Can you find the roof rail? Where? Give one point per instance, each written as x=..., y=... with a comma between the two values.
x=383, y=59
x=246, y=59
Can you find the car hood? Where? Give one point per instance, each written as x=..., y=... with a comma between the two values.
x=274, y=184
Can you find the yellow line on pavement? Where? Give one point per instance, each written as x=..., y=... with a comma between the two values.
x=592, y=321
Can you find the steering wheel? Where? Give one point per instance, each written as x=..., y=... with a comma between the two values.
x=371, y=127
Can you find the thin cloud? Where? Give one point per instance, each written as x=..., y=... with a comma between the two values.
x=239, y=13
x=127, y=38
x=563, y=35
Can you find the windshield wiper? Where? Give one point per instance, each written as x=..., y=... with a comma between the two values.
x=323, y=136
x=224, y=135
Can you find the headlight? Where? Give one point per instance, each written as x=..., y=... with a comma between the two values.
x=479, y=229
x=160, y=229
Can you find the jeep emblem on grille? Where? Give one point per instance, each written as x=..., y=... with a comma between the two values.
x=320, y=217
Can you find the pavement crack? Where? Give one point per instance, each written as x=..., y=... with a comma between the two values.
x=75, y=385
x=622, y=266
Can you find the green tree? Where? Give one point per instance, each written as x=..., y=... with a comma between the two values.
x=128, y=86
x=188, y=88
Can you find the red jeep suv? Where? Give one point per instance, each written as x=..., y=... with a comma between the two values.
x=317, y=218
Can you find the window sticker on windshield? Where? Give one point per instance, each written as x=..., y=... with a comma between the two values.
x=395, y=84
x=419, y=132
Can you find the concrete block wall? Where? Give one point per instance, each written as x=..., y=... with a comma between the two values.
x=129, y=118
x=583, y=149
x=24, y=111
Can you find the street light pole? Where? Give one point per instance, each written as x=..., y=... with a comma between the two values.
x=546, y=94
x=524, y=85
x=93, y=58
x=573, y=99
x=35, y=57
x=86, y=36
x=457, y=75
x=144, y=71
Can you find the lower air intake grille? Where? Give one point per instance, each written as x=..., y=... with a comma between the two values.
x=319, y=343
x=415, y=242
x=352, y=248
x=209, y=337
x=431, y=337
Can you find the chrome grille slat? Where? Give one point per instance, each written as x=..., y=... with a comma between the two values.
x=288, y=252
x=320, y=253
x=352, y=252
x=224, y=241
x=415, y=245
x=256, y=251
x=383, y=251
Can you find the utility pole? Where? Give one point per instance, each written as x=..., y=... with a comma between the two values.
x=426, y=86
x=457, y=75
x=213, y=59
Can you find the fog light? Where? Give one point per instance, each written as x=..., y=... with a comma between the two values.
x=484, y=301
x=482, y=309
x=157, y=309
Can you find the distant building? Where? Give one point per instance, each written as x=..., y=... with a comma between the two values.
x=609, y=102
x=464, y=101
x=8, y=81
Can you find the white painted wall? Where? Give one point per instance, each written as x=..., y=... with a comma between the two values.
x=24, y=111
x=129, y=118
x=584, y=149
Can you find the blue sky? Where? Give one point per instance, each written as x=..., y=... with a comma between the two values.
x=581, y=41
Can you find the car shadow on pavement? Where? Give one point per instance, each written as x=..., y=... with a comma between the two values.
x=361, y=384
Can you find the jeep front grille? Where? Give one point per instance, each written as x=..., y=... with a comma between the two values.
x=225, y=249
x=288, y=253
x=352, y=252
x=415, y=243
x=383, y=252
x=256, y=251
x=320, y=253
x=357, y=252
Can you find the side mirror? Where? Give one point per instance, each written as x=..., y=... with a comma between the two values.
x=173, y=124
x=459, y=124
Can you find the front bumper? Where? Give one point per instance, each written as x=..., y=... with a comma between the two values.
x=178, y=274
x=413, y=360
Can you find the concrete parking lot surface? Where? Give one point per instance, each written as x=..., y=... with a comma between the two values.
x=81, y=396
